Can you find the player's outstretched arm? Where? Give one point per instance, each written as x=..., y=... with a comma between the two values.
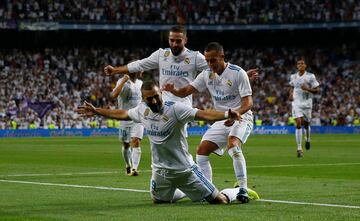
x=212, y=115
x=110, y=70
x=88, y=110
x=181, y=92
x=119, y=88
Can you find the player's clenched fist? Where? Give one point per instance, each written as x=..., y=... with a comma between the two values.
x=109, y=70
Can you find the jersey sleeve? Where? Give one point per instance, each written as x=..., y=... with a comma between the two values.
x=244, y=84
x=145, y=64
x=200, y=61
x=291, y=81
x=134, y=114
x=199, y=83
x=313, y=82
x=184, y=113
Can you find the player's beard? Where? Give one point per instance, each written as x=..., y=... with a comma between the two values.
x=176, y=50
x=155, y=108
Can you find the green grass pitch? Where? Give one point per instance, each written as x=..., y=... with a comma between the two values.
x=70, y=178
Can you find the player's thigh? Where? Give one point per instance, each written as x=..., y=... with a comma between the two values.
x=161, y=188
x=196, y=186
x=217, y=134
x=307, y=114
x=241, y=130
x=124, y=133
x=297, y=112
x=136, y=133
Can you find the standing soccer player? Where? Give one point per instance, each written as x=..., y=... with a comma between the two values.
x=173, y=168
x=304, y=86
x=229, y=88
x=128, y=93
x=177, y=64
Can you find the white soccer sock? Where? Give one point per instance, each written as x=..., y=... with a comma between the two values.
x=307, y=134
x=239, y=164
x=135, y=156
x=230, y=193
x=298, y=138
x=205, y=166
x=127, y=156
x=178, y=195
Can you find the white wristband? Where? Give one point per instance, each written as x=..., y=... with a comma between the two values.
x=226, y=114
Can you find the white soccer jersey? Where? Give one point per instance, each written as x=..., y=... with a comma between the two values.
x=130, y=95
x=169, y=147
x=303, y=99
x=180, y=70
x=227, y=89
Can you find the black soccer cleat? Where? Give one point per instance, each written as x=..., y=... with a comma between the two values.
x=299, y=153
x=128, y=171
x=134, y=173
x=242, y=195
x=307, y=145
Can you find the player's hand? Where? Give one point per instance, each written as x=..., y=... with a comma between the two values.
x=253, y=74
x=168, y=87
x=229, y=122
x=87, y=110
x=305, y=87
x=109, y=70
x=126, y=77
x=234, y=115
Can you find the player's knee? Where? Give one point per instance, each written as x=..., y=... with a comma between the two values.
x=205, y=148
x=233, y=142
x=135, y=142
x=126, y=145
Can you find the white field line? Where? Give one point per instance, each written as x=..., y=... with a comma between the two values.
x=146, y=191
x=58, y=174
x=305, y=165
x=111, y=172
x=75, y=186
x=307, y=203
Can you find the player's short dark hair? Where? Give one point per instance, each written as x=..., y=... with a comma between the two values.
x=148, y=85
x=214, y=46
x=300, y=58
x=178, y=29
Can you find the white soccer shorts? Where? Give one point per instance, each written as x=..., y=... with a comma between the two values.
x=192, y=182
x=298, y=112
x=218, y=133
x=129, y=129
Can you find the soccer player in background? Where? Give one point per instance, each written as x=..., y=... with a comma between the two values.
x=229, y=88
x=304, y=86
x=128, y=94
x=173, y=169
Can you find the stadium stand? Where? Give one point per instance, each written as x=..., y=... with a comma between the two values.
x=40, y=89
x=180, y=11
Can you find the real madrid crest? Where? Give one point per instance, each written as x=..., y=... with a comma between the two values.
x=229, y=83
x=187, y=60
x=167, y=53
x=146, y=112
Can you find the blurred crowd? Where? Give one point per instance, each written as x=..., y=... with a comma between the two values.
x=41, y=89
x=183, y=12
